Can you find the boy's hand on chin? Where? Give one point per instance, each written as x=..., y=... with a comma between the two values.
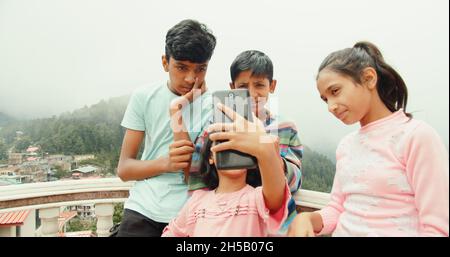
x=197, y=90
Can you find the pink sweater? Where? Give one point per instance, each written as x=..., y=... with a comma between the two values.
x=391, y=179
x=241, y=213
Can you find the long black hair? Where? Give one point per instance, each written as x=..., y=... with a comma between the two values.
x=209, y=172
x=352, y=61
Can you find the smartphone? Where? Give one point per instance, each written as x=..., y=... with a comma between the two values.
x=239, y=101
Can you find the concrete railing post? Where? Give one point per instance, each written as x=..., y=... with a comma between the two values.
x=49, y=220
x=104, y=213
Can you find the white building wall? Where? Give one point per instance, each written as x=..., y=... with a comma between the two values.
x=28, y=228
x=8, y=231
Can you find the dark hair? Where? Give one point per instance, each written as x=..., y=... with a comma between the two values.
x=191, y=41
x=352, y=61
x=258, y=62
x=209, y=172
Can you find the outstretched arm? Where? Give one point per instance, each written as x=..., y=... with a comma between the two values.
x=292, y=153
x=271, y=167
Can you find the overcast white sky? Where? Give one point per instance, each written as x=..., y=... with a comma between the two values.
x=57, y=56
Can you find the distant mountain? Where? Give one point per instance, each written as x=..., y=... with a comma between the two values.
x=86, y=130
x=89, y=130
x=5, y=119
x=330, y=153
x=110, y=111
x=318, y=171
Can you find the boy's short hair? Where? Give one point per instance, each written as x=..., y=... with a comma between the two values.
x=191, y=41
x=256, y=61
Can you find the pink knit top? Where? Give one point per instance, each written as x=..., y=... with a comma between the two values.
x=392, y=179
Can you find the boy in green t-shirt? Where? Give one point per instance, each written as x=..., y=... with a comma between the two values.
x=160, y=189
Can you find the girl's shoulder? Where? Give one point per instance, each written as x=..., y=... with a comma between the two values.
x=402, y=133
x=405, y=126
x=420, y=130
x=346, y=138
x=201, y=193
x=199, y=198
x=204, y=199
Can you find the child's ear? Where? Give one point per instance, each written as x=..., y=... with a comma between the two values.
x=273, y=85
x=369, y=78
x=211, y=160
x=165, y=63
x=231, y=85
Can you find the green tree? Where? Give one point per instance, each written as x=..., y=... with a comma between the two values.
x=318, y=171
x=118, y=213
x=23, y=144
x=77, y=224
x=74, y=224
x=60, y=173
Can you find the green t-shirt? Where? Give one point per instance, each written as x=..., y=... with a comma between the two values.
x=161, y=197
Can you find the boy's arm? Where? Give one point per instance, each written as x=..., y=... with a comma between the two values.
x=176, y=118
x=195, y=179
x=131, y=169
x=291, y=150
x=179, y=130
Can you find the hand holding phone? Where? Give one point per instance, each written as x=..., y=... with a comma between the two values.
x=238, y=100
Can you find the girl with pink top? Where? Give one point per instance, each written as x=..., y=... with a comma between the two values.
x=392, y=175
x=236, y=204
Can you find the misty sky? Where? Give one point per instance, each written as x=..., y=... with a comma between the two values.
x=58, y=56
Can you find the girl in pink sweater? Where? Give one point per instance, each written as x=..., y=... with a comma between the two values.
x=392, y=175
x=236, y=204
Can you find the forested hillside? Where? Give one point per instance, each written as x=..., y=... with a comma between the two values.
x=96, y=130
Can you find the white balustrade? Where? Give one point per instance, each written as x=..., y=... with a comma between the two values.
x=101, y=192
x=49, y=220
x=104, y=213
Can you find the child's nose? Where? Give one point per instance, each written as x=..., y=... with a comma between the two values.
x=254, y=93
x=190, y=78
x=332, y=107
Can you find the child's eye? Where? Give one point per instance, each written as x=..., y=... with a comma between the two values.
x=335, y=91
x=181, y=68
